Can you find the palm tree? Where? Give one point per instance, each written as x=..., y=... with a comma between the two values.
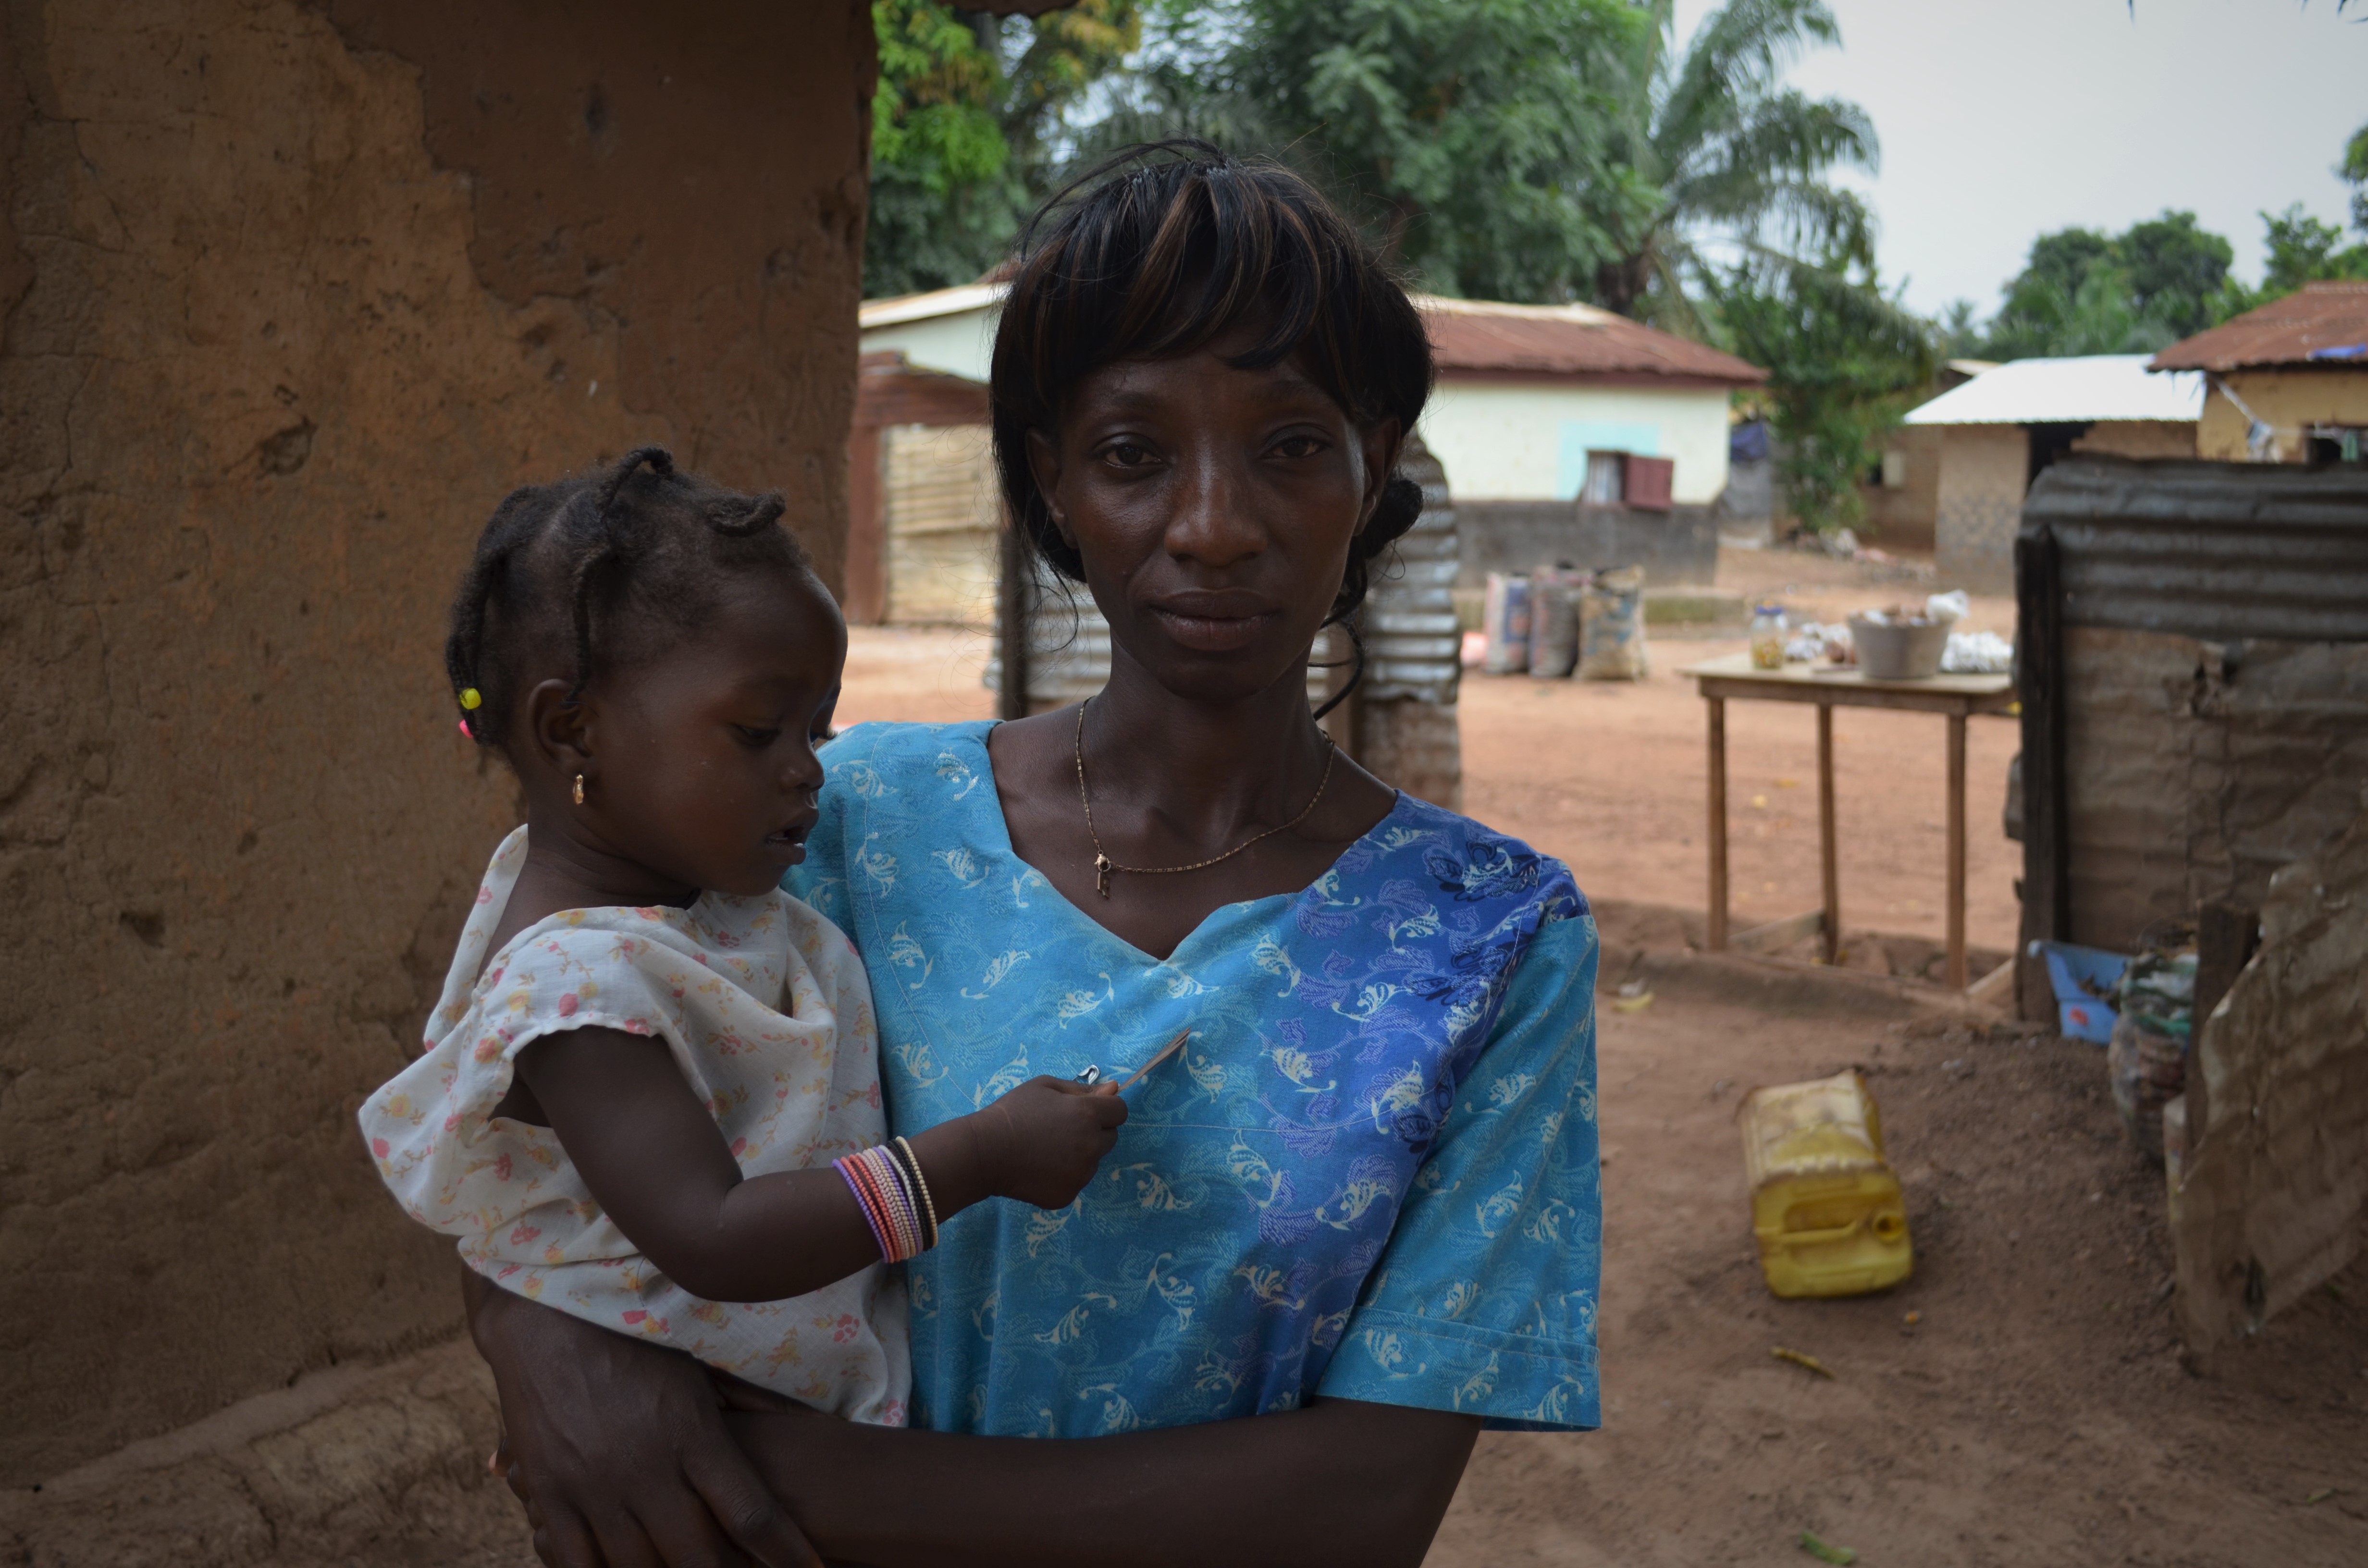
x=1709, y=149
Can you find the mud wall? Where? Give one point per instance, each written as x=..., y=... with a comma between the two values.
x=1984, y=469
x=2196, y=770
x=2270, y=1200
x=290, y=295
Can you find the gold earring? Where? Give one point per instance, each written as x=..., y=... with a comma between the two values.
x=579, y=788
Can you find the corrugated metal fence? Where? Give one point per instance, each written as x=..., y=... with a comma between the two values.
x=2193, y=671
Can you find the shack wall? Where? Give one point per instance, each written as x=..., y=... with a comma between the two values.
x=294, y=293
x=2196, y=769
x=1679, y=545
x=943, y=514
x=1906, y=516
x=1984, y=469
x=2269, y=1201
x=2139, y=439
x=2288, y=401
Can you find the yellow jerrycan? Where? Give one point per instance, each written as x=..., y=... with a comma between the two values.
x=1826, y=1207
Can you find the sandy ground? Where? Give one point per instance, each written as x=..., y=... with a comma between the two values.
x=2038, y=1412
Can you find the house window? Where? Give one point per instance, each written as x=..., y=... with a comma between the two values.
x=1894, y=471
x=1606, y=479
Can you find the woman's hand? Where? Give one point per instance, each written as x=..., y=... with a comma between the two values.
x=620, y=1449
x=1044, y=1140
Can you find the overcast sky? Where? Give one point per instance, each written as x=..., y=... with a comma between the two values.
x=2001, y=119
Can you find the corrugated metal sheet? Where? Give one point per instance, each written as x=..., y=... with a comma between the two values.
x=1069, y=650
x=1486, y=337
x=2325, y=323
x=2212, y=551
x=1413, y=642
x=2082, y=389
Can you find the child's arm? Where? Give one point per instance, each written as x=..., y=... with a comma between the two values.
x=652, y=1155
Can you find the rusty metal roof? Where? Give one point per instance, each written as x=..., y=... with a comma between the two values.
x=1574, y=342
x=2325, y=323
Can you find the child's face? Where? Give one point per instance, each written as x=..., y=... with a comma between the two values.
x=707, y=766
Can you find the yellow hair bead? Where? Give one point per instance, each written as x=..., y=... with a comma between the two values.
x=473, y=699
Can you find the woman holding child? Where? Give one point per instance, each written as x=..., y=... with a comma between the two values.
x=1360, y=1204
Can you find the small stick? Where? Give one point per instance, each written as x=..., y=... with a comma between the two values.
x=1800, y=1360
x=1170, y=1049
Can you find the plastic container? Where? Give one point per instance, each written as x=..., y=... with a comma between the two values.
x=1505, y=618
x=1901, y=651
x=2084, y=980
x=1826, y=1206
x=1768, y=636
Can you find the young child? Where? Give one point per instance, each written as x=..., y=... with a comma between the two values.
x=650, y=1094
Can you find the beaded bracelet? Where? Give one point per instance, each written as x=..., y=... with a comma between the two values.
x=894, y=1200
x=928, y=1204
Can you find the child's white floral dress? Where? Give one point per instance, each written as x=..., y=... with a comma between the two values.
x=765, y=1008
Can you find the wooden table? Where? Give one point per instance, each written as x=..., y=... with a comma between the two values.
x=1956, y=697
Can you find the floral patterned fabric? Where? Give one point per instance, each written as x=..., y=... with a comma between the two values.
x=764, y=1006
x=1371, y=1174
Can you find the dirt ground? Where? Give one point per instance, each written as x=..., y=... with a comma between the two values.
x=2039, y=1411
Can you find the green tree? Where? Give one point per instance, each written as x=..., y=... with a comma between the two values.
x=2174, y=271
x=965, y=126
x=1845, y=360
x=2304, y=250
x=1466, y=134
x=1709, y=151
x=2086, y=292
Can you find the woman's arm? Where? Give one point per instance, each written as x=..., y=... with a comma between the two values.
x=651, y=1154
x=1338, y=1482
x=618, y=1447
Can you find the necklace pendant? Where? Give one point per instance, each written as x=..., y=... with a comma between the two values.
x=1103, y=867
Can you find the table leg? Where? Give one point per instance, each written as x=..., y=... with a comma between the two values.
x=1717, y=706
x=1827, y=863
x=1957, y=851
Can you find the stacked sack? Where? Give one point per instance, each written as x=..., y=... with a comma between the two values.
x=1559, y=618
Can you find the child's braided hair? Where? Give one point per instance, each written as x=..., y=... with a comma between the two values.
x=619, y=562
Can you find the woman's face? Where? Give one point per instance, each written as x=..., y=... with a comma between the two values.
x=1215, y=509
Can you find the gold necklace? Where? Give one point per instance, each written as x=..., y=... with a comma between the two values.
x=1104, y=865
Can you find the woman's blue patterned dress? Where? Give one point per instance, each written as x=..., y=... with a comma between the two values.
x=1372, y=1173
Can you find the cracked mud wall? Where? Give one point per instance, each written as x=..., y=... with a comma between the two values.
x=2196, y=769
x=2272, y=1197
x=290, y=295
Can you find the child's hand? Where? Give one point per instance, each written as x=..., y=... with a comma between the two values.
x=1043, y=1141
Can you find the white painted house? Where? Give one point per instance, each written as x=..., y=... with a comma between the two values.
x=1530, y=398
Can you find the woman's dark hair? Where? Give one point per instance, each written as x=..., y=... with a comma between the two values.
x=1166, y=247
x=614, y=563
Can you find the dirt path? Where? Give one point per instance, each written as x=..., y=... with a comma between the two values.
x=2039, y=1413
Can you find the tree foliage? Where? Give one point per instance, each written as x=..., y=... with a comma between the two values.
x=1711, y=152
x=2086, y=292
x=1845, y=360
x=965, y=122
